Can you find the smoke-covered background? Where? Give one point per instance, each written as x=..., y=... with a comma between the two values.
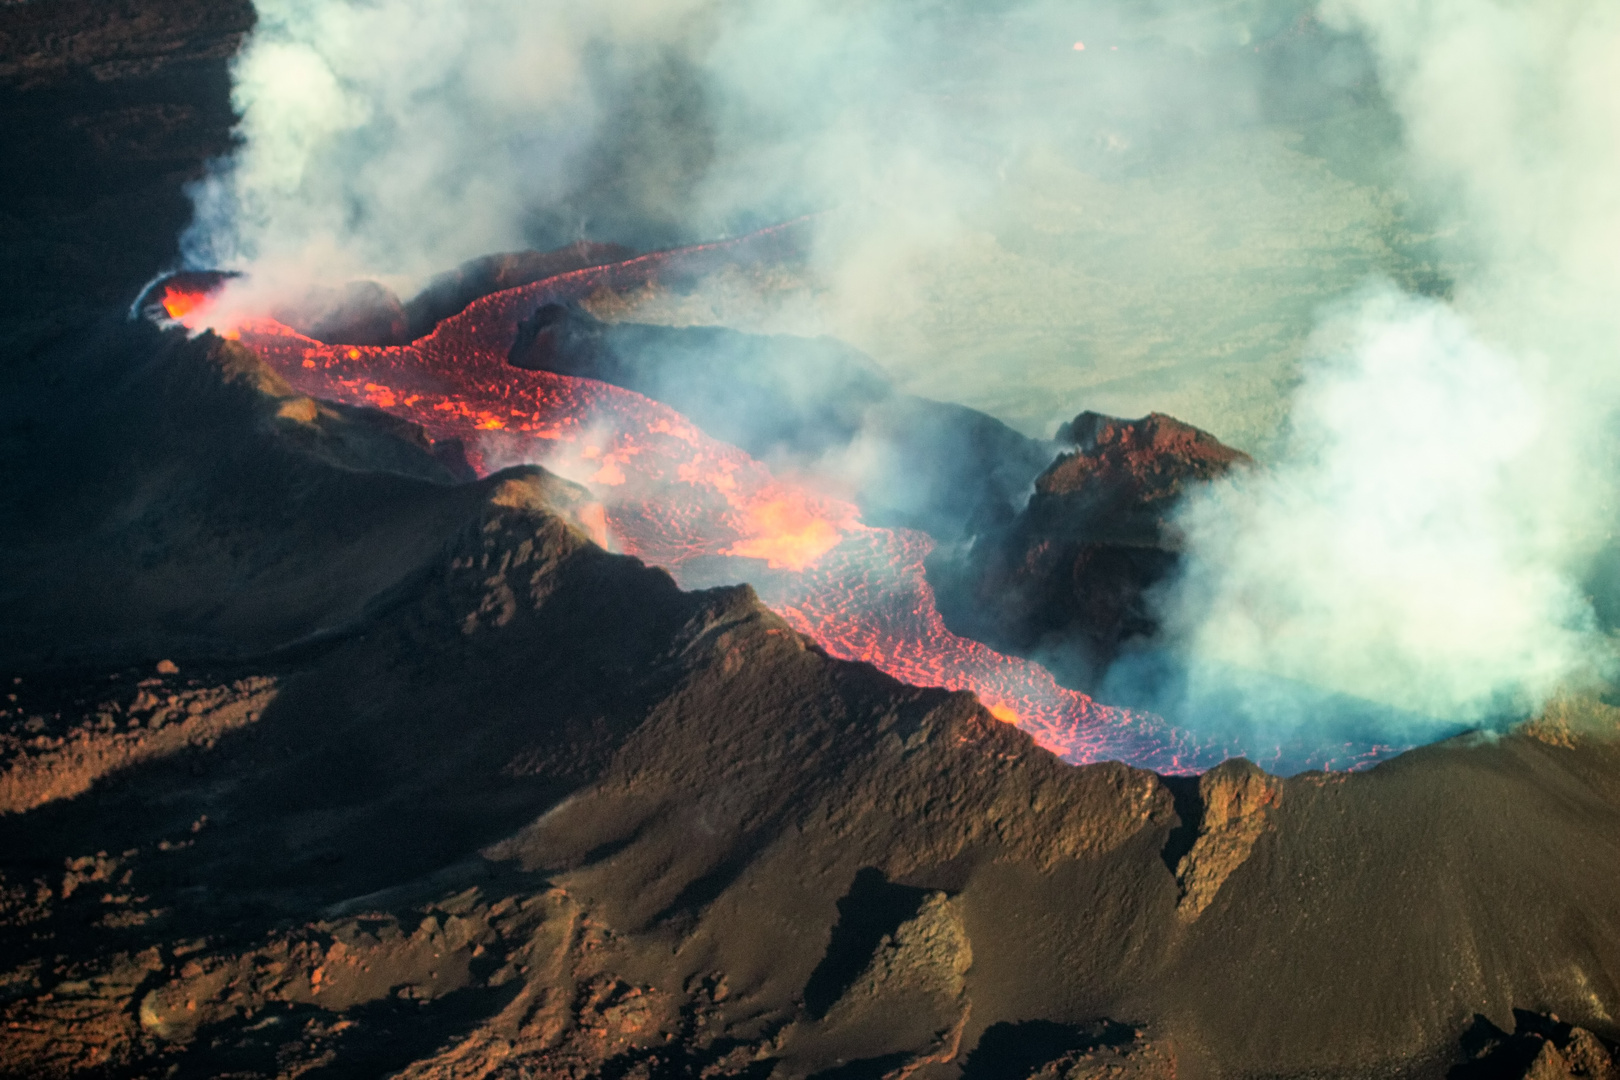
x=1372, y=242
x=1015, y=223
x=1446, y=479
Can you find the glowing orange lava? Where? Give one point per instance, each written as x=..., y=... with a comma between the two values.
x=181, y=302
x=788, y=531
x=193, y=309
x=705, y=510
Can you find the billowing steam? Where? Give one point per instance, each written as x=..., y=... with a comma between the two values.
x=395, y=139
x=1410, y=546
x=1420, y=540
x=1396, y=218
x=976, y=163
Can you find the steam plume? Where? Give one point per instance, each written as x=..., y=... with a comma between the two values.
x=1420, y=540
x=1033, y=229
x=395, y=138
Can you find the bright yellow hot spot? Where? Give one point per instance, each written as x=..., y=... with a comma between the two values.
x=786, y=532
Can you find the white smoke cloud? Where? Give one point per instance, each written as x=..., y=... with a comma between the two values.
x=397, y=138
x=1416, y=538
x=393, y=139
x=1400, y=550
x=1420, y=539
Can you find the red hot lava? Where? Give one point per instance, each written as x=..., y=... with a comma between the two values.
x=676, y=498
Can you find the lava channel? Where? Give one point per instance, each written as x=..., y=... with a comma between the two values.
x=706, y=511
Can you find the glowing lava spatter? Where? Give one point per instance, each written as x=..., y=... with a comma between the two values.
x=676, y=498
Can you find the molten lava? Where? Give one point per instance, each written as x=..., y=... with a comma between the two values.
x=192, y=305
x=180, y=302
x=705, y=510
x=788, y=531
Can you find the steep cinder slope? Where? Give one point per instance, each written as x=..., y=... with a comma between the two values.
x=1068, y=576
x=535, y=811
x=174, y=497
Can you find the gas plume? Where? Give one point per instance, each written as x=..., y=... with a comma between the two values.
x=396, y=138
x=1182, y=215
x=1422, y=538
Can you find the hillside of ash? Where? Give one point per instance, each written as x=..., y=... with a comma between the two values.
x=318, y=761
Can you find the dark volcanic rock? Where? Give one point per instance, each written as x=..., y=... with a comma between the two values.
x=532, y=806
x=321, y=785
x=108, y=109
x=526, y=807
x=907, y=461
x=358, y=313
x=1067, y=578
x=1121, y=481
x=450, y=292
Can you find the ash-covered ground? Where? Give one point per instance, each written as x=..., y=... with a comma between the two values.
x=318, y=758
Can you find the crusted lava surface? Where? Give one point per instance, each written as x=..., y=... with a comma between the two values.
x=320, y=759
x=368, y=313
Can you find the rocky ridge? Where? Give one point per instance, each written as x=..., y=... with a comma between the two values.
x=1068, y=577
x=534, y=811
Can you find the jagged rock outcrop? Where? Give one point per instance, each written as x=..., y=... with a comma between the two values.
x=909, y=1005
x=1138, y=1059
x=1540, y=1047
x=1067, y=577
x=1233, y=799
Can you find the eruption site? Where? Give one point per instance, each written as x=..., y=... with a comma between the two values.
x=709, y=513
x=810, y=540
x=1265, y=218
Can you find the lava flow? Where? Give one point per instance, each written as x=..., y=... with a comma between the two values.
x=702, y=509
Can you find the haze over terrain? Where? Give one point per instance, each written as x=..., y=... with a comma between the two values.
x=1338, y=236
x=1012, y=222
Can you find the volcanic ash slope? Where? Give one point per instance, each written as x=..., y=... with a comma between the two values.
x=432, y=786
